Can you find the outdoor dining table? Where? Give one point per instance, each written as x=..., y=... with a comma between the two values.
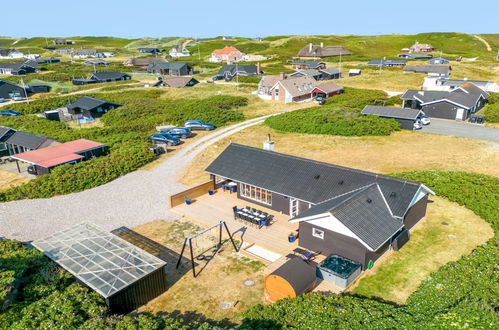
x=258, y=216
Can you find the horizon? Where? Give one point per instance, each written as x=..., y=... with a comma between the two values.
x=275, y=19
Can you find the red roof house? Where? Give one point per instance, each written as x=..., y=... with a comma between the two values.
x=43, y=160
x=226, y=54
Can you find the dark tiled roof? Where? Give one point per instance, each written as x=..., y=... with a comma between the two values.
x=327, y=51
x=431, y=68
x=467, y=95
x=231, y=69
x=391, y=112
x=88, y=103
x=169, y=65
x=27, y=140
x=306, y=179
x=382, y=62
x=309, y=64
x=105, y=75
x=5, y=132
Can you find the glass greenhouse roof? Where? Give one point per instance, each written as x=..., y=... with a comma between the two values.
x=100, y=259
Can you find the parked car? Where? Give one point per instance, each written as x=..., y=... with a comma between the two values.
x=17, y=98
x=165, y=138
x=32, y=170
x=9, y=113
x=417, y=124
x=425, y=120
x=199, y=125
x=179, y=132
x=217, y=78
x=320, y=99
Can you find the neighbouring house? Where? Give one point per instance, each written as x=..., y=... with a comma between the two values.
x=48, y=60
x=354, y=72
x=404, y=116
x=439, y=60
x=61, y=42
x=229, y=71
x=176, y=82
x=340, y=210
x=150, y=50
x=413, y=56
x=306, y=65
x=63, y=51
x=86, y=53
x=293, y=89
x=16, y=68
x=5, y=133
x=447, y=84
x=421, y=48
x=327, y=90
x=319, y=51
x=34, y=88
x=228, y=38
x=20, y=141
x=10, y=53
x=226, y=54
x=126, y=276
x=170, y=68
x=383, y=62
x=179, y=51
x=457, y=104
x=430, y=69
x=321, y=74
x=143, y=62
x=91, y=107
x=9, y=90
x=96, y=62
x=42, y=161
x=102, y=77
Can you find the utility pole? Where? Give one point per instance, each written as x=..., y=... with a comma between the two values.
x=237, y=78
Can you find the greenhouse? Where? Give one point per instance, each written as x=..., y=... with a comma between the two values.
x=125, y=275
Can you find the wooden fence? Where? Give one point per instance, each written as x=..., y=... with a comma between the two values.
x=192, y=193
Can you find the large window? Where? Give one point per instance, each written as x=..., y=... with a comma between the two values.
x=255, y=193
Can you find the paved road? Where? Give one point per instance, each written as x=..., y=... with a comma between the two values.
x=461, y=129
x=131, y=200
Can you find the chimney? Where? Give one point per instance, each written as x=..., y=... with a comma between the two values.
x=282, y=76
x=310, y=47
x=322, y=45
x=268, y=145
x=258, y=68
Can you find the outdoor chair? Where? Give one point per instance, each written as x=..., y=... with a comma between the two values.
x=248, y=208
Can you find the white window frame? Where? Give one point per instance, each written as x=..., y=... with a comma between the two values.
x=247, y=190
x=318, y=233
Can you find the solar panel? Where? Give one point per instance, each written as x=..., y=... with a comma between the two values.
x=101, y=260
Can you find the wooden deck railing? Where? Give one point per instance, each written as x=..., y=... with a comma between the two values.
x=192, y=193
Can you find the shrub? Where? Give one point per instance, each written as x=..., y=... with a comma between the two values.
x=491, y=110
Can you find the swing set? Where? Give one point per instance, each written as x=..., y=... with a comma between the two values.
x=189, y=241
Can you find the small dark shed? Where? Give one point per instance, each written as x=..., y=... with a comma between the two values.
x=292, y=279
x=125, y=275
x=404, y=116
x=38, y=88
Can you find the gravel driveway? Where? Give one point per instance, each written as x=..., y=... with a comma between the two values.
x=461, y=129
x=131, y=200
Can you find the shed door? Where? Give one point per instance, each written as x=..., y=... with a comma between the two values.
x=459, y=114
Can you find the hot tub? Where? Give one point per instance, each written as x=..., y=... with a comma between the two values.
x=339, y=270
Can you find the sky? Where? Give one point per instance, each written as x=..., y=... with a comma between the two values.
x=254, y=18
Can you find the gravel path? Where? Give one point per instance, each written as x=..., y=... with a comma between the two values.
x=131, y=200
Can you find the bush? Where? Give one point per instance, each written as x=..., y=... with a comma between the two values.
x=461, y=294
x=340, y=116
x=491, y=110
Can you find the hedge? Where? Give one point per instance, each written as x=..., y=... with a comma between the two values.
x=491, y=110
x=340, y=116
x=461, y=294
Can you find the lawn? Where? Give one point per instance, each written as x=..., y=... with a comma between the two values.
x=221, y=280
x=9, y=179
x=401, y=151
x=443, y=236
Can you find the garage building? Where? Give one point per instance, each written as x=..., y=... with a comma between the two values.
x=404, y=116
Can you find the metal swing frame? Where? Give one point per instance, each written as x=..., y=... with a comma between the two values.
x=188, y=241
